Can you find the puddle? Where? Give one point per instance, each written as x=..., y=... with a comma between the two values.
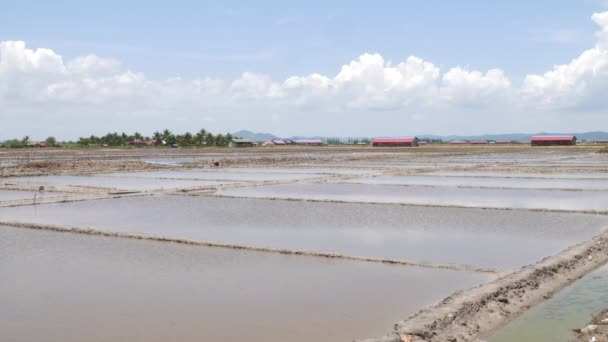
x=554, y=319
x=69, y=287
x=488, y=182
x=12, y=195
x=441, y=196
x=122, y=183
x=481, y=238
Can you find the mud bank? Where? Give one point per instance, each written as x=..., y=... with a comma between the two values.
x=596, y=330
x=75, y=167
x=474, y=313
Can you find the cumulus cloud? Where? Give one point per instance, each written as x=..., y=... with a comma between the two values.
x=580, y=83
x=40, y=80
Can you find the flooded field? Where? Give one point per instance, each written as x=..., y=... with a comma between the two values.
x=481, y=238
x=555, y=319
x=489, y=182
x=250, y=175
x=438, y=196
x=10, y=195
x=117, y=183
x=108, y=289
x=302, y=244
x=548, y=175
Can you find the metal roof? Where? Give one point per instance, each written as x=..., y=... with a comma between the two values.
x=394, y=140
x=238, y=140
x=308, y=141
x=553, y=138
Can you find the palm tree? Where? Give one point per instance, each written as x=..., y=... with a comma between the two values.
x=209, y=139
x=200, y=136
x=158, y=137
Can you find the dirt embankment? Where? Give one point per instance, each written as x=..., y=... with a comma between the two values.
x=75, y=167
x=471, y=314
x=596, y=330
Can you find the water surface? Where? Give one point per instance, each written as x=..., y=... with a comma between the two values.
x=61, y=287
x=107, y=182
x=483, y=238
x=554, y=319
x=424, y=195
x=488, y=182
x=11, y=195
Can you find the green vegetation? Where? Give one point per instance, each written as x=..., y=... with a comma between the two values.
x=158, y=138
x=166, y=137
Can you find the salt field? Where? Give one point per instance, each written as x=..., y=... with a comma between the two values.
x=115, y=183
x=488, y=182
x=438, y=196
x=479, y=238
x=220, y=175
x=10, y=195
x=108, y=289
x=313, y=246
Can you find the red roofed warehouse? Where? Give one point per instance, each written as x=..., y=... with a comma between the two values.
x=393, y=142
x=561, y=140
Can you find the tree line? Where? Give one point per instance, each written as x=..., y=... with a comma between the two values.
x=158, y=138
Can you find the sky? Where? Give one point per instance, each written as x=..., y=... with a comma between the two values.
x=339, y=68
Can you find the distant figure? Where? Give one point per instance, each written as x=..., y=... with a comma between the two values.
x=215, y=163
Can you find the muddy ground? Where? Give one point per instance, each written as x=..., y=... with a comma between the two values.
x=596, y=330
x=41, y=161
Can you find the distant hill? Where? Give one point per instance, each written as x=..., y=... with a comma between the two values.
x=254, y=136
x=597, y=135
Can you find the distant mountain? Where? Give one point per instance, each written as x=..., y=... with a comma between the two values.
x=597, y=135
x=254, y=136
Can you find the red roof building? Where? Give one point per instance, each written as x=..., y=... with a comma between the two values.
x=603, y=141
x=553, y=140
x=312, y=142
x=395, y=142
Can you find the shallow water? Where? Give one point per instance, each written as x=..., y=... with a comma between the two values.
x=218, y=175
x=483, y=238
x=424, y=195
x=554, y=319
x=68, y=287
x=121, y=183
x=488, y=182
x=562, y=175
x=10, y=195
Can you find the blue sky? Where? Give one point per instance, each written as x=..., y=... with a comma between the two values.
x=222, y=40
x=279, y=38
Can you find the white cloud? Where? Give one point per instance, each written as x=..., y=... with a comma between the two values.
x=412, y=92
x=581, y=82
x=474, y=87
x=92, y=65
